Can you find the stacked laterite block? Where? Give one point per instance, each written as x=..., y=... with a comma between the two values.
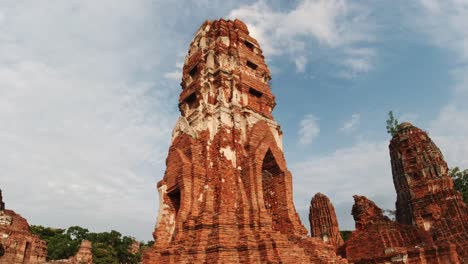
x=17, y=244
x=323, y=221
x=226, y=196
x=377, y=239
x=426, y=197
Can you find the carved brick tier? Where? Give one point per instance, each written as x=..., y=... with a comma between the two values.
x=425, y=194
x=323, y=221
x=226, y=196
x=377, y=239
x=17, y=244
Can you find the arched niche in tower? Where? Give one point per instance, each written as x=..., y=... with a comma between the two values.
x=274, y=191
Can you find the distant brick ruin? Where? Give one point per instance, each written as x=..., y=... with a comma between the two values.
x=323, y=221
x=226, y=195
x=83, y=256
x=431, y=219
x=17, y=244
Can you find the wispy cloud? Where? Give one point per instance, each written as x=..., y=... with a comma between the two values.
x=339, y=25
x=309, y=129
x=79, y=133
x=362, y=169
x=444, y=22
x=352, y=123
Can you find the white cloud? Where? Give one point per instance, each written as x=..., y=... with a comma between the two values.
x=352, y=123
x=339, y=25
x=445, y=24
x=309, y=129
x=174, y=75
x=448, y=130
x=82, y=141
x=300, y=62
x=362, y=169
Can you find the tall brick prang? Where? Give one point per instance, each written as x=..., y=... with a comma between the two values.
x=226, y=195
x=426, y=197
x=323, y=221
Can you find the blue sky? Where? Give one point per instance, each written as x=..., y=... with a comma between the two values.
x=89, y=97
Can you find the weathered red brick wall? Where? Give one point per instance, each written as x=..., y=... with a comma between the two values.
x=377, y=239
x=323, y=221
x=17, y=242
x=425, y=194
x=226, y=196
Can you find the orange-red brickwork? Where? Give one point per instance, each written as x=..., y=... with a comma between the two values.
x=17, y=244
x=426, y=197
x=226, y=195
x=323, y=221
x=377, y=239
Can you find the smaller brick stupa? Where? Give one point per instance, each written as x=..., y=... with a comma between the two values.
x=323, y=221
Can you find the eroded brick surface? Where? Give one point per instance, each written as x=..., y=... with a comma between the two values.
x=377, y=239
x=323, y=221
x=17, y=244
x=426, y=197
x=226, y=196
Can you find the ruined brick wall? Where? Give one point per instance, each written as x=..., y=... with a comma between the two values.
x=323, y=221
x=377, y=239
x=226, y=196
x=425, y=194
x=17, y=243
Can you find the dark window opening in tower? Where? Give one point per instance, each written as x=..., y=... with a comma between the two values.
x=274, y=193
x=252, y=65
x=190, y=100
x=249, y=45
x=174, y=196
x=255, y=93
x=27, y=253
x=193, y=72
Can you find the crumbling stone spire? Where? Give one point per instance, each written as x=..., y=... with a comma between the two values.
x=425, y=194
x=226, y=195
x=323, y=221
x=2, y=204
x=366, y=212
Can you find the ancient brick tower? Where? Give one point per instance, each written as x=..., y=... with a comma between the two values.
x=425, y=194
x=226, y=196
x=323, y=221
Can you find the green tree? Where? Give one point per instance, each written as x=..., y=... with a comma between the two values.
x=345, y=234
x=392, y=124
x=460, y=181
x=107, y=247
x=60, y=245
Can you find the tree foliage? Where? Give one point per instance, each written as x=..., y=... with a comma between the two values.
x=107, y=247
x=345, y=234
x=392, y=124
x=59, y=244
x=460, y=181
